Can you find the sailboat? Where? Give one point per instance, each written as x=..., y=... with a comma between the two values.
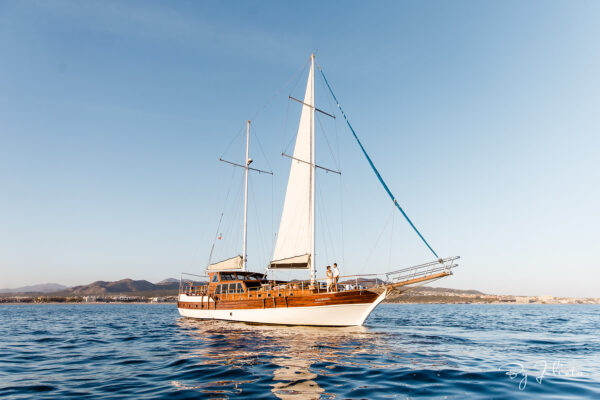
x=229, y=291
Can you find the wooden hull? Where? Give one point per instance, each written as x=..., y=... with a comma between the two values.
x=350, y=308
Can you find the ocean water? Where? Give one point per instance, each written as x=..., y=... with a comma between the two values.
x=404, y=351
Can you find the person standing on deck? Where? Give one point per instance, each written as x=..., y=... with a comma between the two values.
x=329, y=275
x=336, y=276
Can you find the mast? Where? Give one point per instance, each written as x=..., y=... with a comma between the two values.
x=246, y=165
x=234, y=262
x=295, y=247
x=312, y=171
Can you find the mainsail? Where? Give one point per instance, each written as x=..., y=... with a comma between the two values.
x=294, y=247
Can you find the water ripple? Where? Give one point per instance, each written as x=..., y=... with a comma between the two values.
x=404, y=351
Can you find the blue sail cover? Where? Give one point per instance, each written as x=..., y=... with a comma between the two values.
x=375, y=169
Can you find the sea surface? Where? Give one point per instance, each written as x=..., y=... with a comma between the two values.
x=118, y=351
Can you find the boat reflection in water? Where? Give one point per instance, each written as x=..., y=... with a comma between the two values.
x=289, y=359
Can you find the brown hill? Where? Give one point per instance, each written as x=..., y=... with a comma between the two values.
x=167, y=285
x=120, y=287
x=426, y=294
x=431, y=290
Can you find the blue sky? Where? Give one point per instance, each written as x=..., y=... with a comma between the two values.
x=481, y=116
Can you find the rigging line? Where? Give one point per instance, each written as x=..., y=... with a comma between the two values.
x=331, y=238
x=375, y=169
x=268, y=102
x=231, y=180
x=333, y=107
x=258, y=229
x=320, y=125
x=235, y=137
x=324, y=223
x=287, y=110
x=212, y=249
x=253, y=132
x=232, y=227
x=272, y=237
x=376, y=243
x=284, y=128
x=342, y=219
x=339, y=161
x=325, y=213
x=281, y=192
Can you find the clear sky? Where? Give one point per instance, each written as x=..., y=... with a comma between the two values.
x=483, y=117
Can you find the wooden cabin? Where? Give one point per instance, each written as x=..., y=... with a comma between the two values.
x=242, y=285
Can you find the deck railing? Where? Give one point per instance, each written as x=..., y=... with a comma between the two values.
x=197, y=285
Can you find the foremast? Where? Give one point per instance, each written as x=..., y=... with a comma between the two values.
x=240, y=262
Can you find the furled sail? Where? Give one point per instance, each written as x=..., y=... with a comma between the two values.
x=233, y=263
x=297, y=262
x=293, y=248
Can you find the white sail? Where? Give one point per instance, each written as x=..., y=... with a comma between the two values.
x=233, y=263
x=294, y=246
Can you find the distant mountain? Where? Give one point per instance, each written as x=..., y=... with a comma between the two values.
x=427, y=294
x=122, y=286
x=168, y=280
x=429, y=289
x=166, y=287
x=170, y=287
x=41, y=288
x=168, y=284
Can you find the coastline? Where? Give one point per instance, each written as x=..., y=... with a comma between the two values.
x=408, y=301
x=418, y=295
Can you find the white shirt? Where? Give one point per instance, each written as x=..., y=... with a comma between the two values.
x=336, y=272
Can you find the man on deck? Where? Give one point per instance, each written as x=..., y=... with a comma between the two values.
x=336, y=276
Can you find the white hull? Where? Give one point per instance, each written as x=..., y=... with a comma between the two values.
x=331, y=315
